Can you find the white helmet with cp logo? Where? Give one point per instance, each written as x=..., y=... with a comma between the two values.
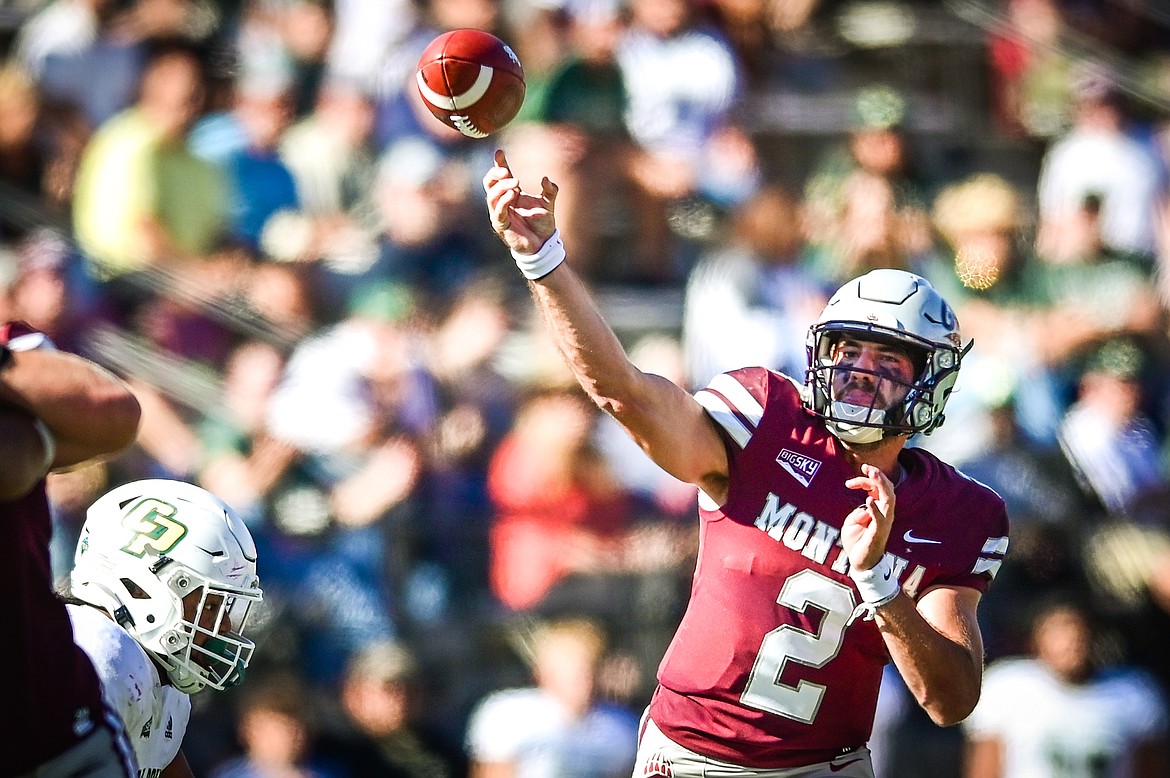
x=176, y=567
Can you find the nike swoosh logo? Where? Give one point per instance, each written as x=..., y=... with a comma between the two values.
x=837, y=767
x=910, y=538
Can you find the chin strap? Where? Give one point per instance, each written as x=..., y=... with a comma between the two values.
x=101, y=597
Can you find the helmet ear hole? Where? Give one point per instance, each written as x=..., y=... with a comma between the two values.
x=135, y=590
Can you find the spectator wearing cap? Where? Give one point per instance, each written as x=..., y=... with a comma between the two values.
x=420, y=194
x=1112, y=443
x=875, y=142
x=1098, y=158
x=864, y=201
x=378, y=732
x=984, y=266
x=980, y=220
x=407, y=234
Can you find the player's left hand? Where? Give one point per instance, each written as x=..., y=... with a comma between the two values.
x=867, y=528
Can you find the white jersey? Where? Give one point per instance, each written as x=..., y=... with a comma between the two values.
x=1114, y=166
x=155, y=714
x=531, y=730
x=1049, y=727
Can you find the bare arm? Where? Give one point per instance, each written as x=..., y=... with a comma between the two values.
x=668, y=424
x=89, y=411
x=935, y=643
x=938, y=650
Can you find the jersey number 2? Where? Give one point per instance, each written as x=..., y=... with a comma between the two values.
x=790, y=644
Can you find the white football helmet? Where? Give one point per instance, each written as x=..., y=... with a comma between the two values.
x=176, y=567
x=897, y=307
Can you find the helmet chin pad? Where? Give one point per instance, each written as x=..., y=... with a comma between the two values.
x=186, y=681
x=856, y=423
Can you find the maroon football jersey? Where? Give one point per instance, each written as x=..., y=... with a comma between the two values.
x=769, y=667
x=50, y=691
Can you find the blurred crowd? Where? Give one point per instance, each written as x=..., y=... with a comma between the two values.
x=243, y=207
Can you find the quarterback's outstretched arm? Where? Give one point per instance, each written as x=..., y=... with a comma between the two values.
x=669, y=425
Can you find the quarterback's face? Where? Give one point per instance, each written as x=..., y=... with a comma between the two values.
x=867, y=364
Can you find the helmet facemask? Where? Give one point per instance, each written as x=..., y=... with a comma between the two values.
x=207, y=647
x=883, y=415
x=895, y=308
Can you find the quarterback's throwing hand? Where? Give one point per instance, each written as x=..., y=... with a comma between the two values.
x=523, y=221
x=867, y=528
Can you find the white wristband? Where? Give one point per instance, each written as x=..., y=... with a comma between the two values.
x=538, y=265
x=878, y=585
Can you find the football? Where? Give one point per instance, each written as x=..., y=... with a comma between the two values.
x=472, y=81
